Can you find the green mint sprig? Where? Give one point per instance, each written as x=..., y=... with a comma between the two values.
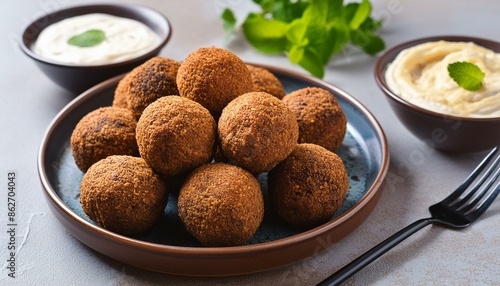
x=88, y=38
x=466, y=75
x=310, y=32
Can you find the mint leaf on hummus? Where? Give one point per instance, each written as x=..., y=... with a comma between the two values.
x=466, y=75
x=87, y=39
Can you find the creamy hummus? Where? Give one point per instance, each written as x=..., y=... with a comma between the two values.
x=125, y=39
x=420, y=75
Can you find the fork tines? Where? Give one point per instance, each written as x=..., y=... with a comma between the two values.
x=480, y=188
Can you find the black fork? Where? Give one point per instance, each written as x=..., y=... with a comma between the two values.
x=469, y=201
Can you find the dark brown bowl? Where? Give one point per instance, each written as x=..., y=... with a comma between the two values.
x=171, y=249
x=440, y=131
x=78, y=78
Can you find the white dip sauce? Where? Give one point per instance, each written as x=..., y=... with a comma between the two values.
x=125, y=39
x=420, y=76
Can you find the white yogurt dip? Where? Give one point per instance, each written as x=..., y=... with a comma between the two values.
x=420, y=76
x=124, y=39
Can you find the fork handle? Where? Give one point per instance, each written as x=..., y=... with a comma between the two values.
x=374, y=253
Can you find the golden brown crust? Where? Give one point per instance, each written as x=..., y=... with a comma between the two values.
x=153, y=79
x=123, y=194
x=264, y=80
x=176, y=135
x=308, y=187
x=213, y=77
x=221, y=205
x=319, y=115
x=120, y=95
x=257, y=131
x=103, y=132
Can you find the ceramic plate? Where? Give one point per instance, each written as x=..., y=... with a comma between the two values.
x=167, y=247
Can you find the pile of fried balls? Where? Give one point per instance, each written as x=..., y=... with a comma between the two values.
x=209, y=125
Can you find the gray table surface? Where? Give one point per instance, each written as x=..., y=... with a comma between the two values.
x=418, y=176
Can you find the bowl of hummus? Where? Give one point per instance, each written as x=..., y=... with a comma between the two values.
x=78, y=47
x=422, y=91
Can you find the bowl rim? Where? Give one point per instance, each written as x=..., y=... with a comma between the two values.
x=165, y=23
x=380, y=69
x=283, y=243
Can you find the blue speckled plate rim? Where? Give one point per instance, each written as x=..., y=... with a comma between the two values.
x=216, y=251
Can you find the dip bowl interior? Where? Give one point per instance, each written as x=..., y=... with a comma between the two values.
x=77, y=78
x=440, y=131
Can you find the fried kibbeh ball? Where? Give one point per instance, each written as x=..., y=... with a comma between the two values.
x=103, y=132
x=120, y=95
x=213, y=77
x=221, y=205
x=264, y=80
x=319, y=115
x=123, y=194
x=257, y=131
x=153, y=79
x=308, y=187
x=176, y=135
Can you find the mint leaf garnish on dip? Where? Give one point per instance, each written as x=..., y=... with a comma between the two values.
x=88, y=38
x=467, y=75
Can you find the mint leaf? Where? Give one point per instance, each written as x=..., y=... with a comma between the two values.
x=88, y=38
x=466, y=75
x=319, y=41
x=311, y=62
x=327, y=33
x=369, y=42
x=287, y=11
x=360, y=15
x=371, y=25
x=335, y=11
x=266, y=5
x=335, y=39
x=265, y=35
x=229, y=20
x=283, y=10
x=323, y=12
x=296, y=53
x=296, y=33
